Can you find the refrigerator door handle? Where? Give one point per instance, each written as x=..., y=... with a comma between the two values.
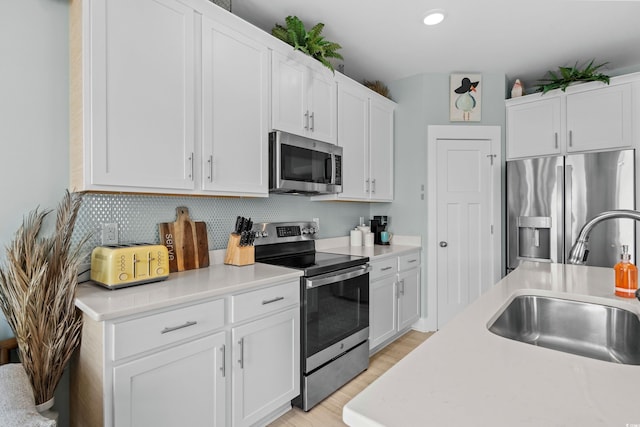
x=559, y=216
x=568, y=208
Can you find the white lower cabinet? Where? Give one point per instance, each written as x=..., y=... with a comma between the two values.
x=394, y=298
x=183, y=385
x=266, y=366
x=232, y=361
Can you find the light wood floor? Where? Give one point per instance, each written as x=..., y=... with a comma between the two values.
x=328, y=413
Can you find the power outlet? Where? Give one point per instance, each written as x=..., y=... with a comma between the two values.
x=110, y=233
x=317, y=221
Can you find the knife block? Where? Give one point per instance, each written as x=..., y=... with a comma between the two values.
x=238, y=255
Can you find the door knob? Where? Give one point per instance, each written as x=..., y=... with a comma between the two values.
x=443, y=244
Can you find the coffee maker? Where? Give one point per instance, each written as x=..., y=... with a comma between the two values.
x=378, y=224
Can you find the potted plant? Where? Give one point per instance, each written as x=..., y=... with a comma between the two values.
x=37, y=295
x=312, y=42
x=568, y=75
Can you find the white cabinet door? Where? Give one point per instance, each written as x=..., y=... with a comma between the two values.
x=353, y=137
x=534, y=128
x=183, y=385
x=381, y=150
x=599, y=119
x=382, y=310
x=139, y=118
x=289, y=111
x=322, y=107
x=266, y=366
x=408, y=298
x=235, y=112
x=303, y=100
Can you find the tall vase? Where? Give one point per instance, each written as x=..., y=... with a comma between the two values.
x=45, y=410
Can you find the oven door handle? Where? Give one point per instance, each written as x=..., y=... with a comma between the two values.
x=327, y=279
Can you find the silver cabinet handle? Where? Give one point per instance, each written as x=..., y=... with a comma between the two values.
x=241, y=360
x=269, y=301
x=402, y=289
x=223, y=366
x=306, y=120
x=210, y=161
x=312, y=122
x=555, y=135
x=386, y=268
x=570, y=138
x=366, y=185
x=175, y=328
x=443, y=244
x=373, y=185
x=191, y=166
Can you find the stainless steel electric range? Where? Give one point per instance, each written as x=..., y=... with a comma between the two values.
x=334, y=306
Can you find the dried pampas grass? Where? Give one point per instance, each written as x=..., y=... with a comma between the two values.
x=37, y=295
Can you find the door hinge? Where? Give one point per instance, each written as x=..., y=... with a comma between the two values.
x=491, y=157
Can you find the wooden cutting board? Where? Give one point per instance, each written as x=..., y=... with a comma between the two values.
x=186, y=241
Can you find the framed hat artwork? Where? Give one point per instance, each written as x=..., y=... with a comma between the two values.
x=465, y=100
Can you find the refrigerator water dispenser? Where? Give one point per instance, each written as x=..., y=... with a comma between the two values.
x=534, y=238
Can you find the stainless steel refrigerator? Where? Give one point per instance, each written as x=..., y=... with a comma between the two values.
x=549, y=199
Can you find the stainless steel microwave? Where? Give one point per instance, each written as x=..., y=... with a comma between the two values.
x=299, y=165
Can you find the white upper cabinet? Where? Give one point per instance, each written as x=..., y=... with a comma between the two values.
x=365, y=133
x=303, y=98
x=588, y=117
x=599, y=119
x=137, y=94
x=381, y=149
x=168, y=97
x=235, y=105
x=533, y=128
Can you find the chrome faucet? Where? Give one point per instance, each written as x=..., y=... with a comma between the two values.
x=579, y=252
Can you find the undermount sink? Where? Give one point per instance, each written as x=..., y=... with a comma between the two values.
x=586, y=329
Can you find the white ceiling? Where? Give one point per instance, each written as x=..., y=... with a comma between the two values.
x=386, y=40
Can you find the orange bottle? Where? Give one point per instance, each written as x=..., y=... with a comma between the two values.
x=626, y=275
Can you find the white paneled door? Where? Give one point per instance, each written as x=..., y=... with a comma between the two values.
x=467, y=217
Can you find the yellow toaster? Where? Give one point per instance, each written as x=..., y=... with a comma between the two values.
x=118, y=266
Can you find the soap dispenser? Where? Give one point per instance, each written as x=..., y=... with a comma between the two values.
x=626, y=275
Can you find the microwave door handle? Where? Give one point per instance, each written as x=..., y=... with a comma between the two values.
x=329, y=167
x=333, y=168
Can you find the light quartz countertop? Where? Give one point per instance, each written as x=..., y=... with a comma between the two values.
x=465, y=375
x=217, y=280
x=398, y=246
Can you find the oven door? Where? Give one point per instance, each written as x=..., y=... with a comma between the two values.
x=335, y=314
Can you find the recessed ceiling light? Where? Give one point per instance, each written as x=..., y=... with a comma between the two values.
x=434, y=17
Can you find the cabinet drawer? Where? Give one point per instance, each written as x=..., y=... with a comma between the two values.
x=263, y=301
x=383, y=268
x=157, y=330
x=406, y=262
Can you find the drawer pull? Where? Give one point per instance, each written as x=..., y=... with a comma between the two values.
x=269, y=301
x=386, y=268
x=175, y=328
x=412, y=260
